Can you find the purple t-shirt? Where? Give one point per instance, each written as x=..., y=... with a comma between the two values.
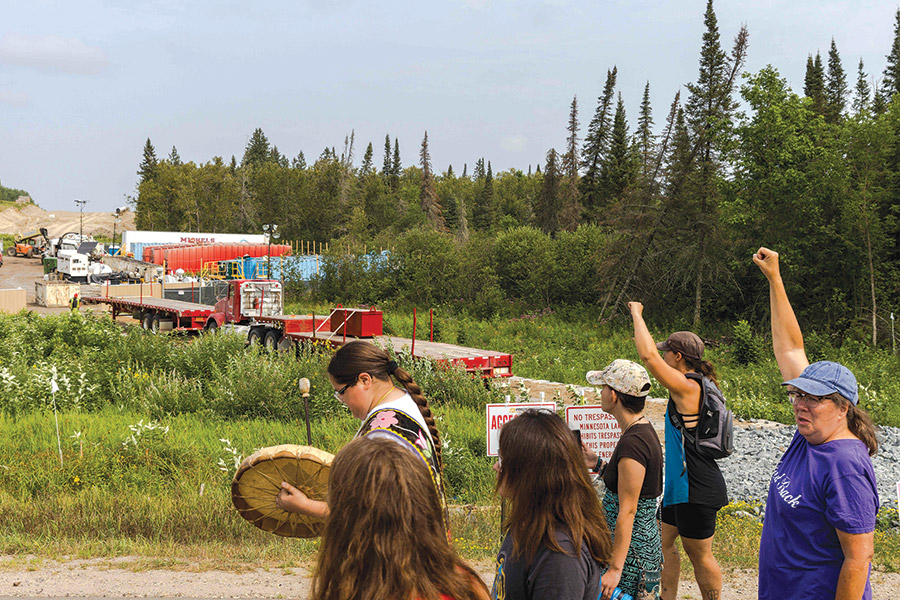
x=815, y=490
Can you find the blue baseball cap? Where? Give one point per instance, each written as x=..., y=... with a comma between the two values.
x=826, y=377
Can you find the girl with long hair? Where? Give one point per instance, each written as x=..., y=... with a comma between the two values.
x=556, y=540
x=365, y=378
x=633, y=479
x=385, y=538
x=818, y=535
x=694, y=488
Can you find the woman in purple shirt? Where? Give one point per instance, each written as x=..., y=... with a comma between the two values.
x=818, y=534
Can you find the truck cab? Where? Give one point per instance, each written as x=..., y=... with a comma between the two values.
x=249, y=298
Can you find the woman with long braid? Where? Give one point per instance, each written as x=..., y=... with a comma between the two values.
x=363, y=376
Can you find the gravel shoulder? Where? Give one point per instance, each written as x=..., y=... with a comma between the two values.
x=118, y=578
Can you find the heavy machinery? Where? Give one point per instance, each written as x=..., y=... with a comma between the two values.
x=30, y=245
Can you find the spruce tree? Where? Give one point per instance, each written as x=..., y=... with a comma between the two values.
x=257, y=151
x=478, y=172
x=836, y=89
x=428, y=198
x=570, y=215
x=547, y=208
x=366, y=167
x=890, y=82
x=814, y=84
x=147, y=170
x=387, y=167
x=396, y=167
x=595, y=143
x=645, y=129
x=299, y=161
x=570, y=160
x=617, y=167
x=484, y=213
x=863, y=95
x=465, y=167
x=450, y=172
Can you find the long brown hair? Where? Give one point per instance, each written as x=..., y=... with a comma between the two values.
x=385, y=537
x=704, y=367
x=543, y=475
x=363, y=357
x=858, y=422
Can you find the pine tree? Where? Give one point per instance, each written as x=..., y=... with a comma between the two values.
x=570, y=214
x=890, y=82
x=465, y=166
x=299, y=161
x=174, y=158
x=863, y=96
x=836, y=89
x=233, y=166
x=366, y=167
x=147, y=170
x=546, y=211
x=396, y=167
x=814, y=84
x=478, y=172
x=428, y=198
x=257, y=151
x=450, y=172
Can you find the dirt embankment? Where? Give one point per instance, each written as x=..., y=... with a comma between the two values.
x=29, y=217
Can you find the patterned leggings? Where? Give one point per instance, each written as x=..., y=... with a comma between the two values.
x=645, y=551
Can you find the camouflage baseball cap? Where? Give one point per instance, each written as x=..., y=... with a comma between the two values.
x=623, y=376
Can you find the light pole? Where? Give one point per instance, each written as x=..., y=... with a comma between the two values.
x=81, y=204
x=271, y=231
x=115, y=222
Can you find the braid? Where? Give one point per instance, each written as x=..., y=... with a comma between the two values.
x=415, y=392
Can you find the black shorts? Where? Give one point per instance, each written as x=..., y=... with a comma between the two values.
x=694, y=521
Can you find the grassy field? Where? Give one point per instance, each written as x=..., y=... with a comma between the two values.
x=152, y=428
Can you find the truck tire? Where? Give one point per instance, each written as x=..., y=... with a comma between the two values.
x=29, y=253
x=11, y=251
x=154, y=323
x=146, y=320
x=211, y=326
x=273, y=336
x=255, y=335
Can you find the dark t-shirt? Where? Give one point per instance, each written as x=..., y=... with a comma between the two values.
x=640, y=443
x=550, y=576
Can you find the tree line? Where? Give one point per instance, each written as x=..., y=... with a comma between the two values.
x=672, y=213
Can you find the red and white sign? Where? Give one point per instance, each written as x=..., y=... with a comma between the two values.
x=599, y=430
x=499, y=414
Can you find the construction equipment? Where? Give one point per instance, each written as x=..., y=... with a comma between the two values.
x=30, y=245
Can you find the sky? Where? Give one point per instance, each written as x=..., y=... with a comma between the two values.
x=84, y=84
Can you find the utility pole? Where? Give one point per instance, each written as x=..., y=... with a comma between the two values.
x=81, y=204
x=115, y=222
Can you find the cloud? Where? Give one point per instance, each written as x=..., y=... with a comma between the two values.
x=52, y=53
x=13, y=98
x=514, y=143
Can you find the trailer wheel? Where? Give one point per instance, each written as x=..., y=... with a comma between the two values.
x=154, y=323
x=255, y=336
x=286, y=344
x=145, y=320
x=273, y=336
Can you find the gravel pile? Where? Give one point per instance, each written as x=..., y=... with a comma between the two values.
x=759, y=447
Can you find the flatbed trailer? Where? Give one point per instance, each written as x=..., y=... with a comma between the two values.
x=158, y=314
x=285, y=332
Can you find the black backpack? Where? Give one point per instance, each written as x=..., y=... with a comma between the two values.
x=715, y=428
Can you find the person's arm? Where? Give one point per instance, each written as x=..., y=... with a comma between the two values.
x=787, y=340
x=685, y=392
x=591, y=459
x=858, y=548
x=293, y=500
x=631, y=479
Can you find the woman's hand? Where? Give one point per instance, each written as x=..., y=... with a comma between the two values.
x=291, y=499
x=767, y=261
x=636, y=309
x=590, y=459
x=609, y=581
